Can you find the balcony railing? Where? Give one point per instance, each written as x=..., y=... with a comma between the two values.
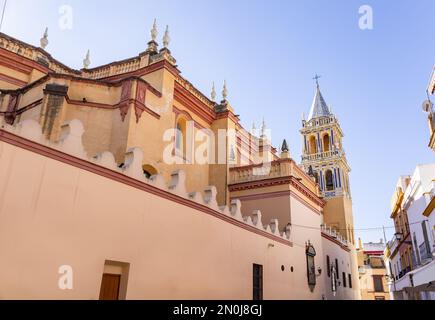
x=320, y=122
x=260, y=172
x=322, y=155
x=393, y=244
x=404, y=272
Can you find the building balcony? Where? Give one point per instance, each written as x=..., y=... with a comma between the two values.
x=270, y=170
x=393, y=245
x=283, y=170
x=404, y=272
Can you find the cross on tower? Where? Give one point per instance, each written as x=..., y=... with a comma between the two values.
x=317, y=77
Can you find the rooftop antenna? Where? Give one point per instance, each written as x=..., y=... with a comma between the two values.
x=3, y=13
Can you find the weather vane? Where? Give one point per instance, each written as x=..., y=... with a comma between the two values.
x=317, y=77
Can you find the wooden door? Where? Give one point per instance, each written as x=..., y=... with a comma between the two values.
x=110, y=287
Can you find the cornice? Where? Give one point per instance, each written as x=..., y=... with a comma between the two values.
x=191, y=102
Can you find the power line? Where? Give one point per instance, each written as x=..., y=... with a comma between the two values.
x=3, y=13
x=357, y=229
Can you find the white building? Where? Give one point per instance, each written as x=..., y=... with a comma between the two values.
x=418, y=206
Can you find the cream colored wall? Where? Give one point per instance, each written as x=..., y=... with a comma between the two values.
x=338, y=214
x=346, y=263
x=56, y=214
x=271, y=208
x=367, y=285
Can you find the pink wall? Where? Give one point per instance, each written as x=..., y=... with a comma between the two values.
x=54, y=214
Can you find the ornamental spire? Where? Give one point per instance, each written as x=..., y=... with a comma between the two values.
x=213, y=93
x=225, y=91
x=87, y=60
x=263, y=129
x=319, y=107
x=166, y=38
x=254, y=129
x=285, y=147
x=285, y=150
x=44, y=39
x=152, y=45
x=154, y=32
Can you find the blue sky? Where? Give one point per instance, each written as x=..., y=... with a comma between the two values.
x=269, y=51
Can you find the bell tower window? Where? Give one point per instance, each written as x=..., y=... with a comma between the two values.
x=326, y=143
x=329, y=180
x=313, y=145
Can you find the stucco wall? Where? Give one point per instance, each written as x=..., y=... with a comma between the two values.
x=56, y=214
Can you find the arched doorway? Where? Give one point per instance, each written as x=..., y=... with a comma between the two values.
x=313, y=145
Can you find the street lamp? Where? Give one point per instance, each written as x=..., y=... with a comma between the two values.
x=398, y=235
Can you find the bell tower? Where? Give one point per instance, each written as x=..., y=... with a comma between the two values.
x=324, y=158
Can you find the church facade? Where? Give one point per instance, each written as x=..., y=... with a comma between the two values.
x=124, y=181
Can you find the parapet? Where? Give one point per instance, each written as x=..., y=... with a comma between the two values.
x=71, y=144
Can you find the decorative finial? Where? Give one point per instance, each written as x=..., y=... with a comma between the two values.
x=254, y=129
x=166, y=38
x=154, y=32
x=225, y=91
x=44, y=39
x=213, y=93
x=285, y=147
x=317, y=77
x=87, y=60
x=263, y=129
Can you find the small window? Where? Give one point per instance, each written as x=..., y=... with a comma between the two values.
x=257, y=282
x=337, y=273
x=344, y=280
x=378, y=284
x=328, y=266
x=350, y=281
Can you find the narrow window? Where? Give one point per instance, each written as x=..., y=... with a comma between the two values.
x=337, y=273
x=257, y=282
x=378, y=284
x=313, y=145
x=328, y=266
x=350, y=281
x=344, y=280
x=179, y=138
x=326, y=143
